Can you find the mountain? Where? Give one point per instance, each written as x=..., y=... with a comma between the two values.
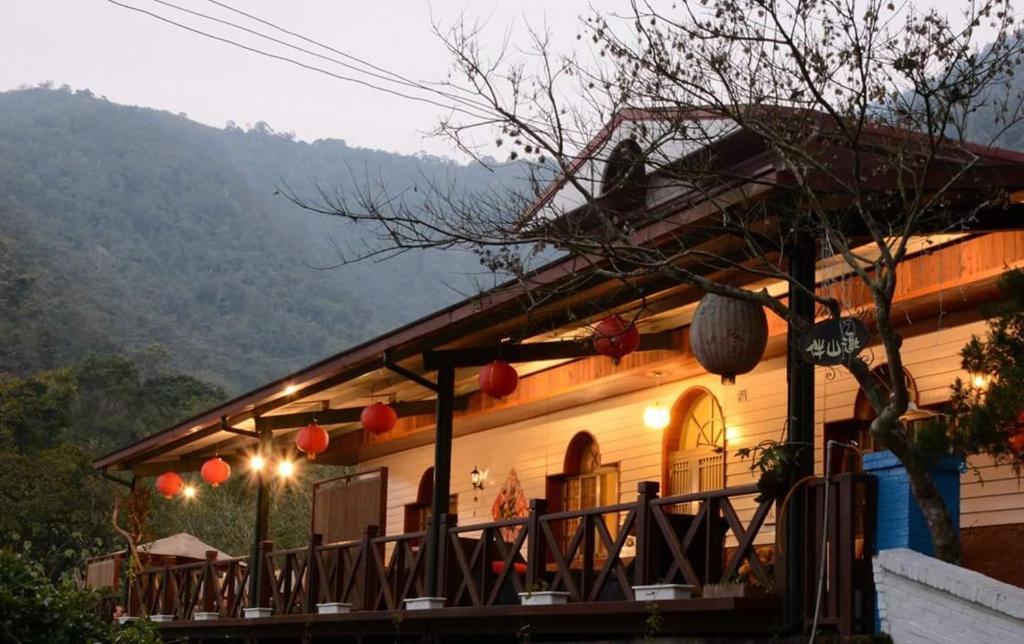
x=122, y=228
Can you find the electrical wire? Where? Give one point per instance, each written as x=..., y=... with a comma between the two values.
x=287, y=59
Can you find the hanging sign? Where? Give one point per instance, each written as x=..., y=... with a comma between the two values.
x=834, y=342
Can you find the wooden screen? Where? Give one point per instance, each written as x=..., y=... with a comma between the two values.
x=343, y=506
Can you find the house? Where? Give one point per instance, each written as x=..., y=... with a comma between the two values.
x=560, y=490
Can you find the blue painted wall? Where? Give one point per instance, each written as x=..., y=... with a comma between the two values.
x=900, y=523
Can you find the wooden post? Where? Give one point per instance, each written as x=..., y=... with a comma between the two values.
x=210, y=583
x=260, y=598
x=536, y=553
x=448, y=521
x=262, y=513
x=442, y=475
x=166, y=592
x=643, y=567
x=312, y=597
x=800, y=399
x=369, y=587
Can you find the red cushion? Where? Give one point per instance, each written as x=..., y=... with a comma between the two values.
x=499, y=566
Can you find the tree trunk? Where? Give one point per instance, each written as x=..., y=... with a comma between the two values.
x=945, y=539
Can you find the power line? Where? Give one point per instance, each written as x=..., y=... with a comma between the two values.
x=287, y=59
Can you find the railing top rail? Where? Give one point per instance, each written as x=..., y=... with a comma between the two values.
x=575, y=514
x=340, y=545
x=741, y=490
x=476, y=527
x=855, y=476
x=217, y=563
x=405, y=536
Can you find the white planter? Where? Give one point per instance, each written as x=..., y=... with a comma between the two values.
x=161, y=617
x=257, y=612
x=544, y=598
x=333, y=608
x=424, y=603
x=126, y=619
x=662, y=592
x=204, y=616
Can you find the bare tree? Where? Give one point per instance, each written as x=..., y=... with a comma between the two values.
x=845, y=121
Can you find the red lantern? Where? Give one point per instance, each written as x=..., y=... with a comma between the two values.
x=169, y=484
x=312, y=439
x=498, y=379
x=615, y=337
x=1016, y=441
x=378, y=418
x=215, y=471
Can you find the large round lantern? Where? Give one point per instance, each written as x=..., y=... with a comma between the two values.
x=378, y=418
x=169, y=484
x=312, y=439
x=1016, y=438
x=498, y=379
x=728, y=335
x=616, y=337
x=215, y=471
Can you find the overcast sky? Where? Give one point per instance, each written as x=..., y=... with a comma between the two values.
x=134, y=59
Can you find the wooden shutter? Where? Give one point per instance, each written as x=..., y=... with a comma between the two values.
x=343, y=506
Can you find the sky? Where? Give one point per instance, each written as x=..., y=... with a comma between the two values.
x=135, y=59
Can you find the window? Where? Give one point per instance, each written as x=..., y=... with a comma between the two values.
x=417, y=514
x=693, y=451
x=858, y=428
x=583, y=484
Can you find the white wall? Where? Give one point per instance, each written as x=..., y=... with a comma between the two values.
x=922, y=600
x=754, y=408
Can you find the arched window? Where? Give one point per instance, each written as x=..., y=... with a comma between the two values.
x=693, y=448
x=418, y=513
x=585, y=482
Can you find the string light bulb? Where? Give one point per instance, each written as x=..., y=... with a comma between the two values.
x=189, y=491
x=256, y=463
x=285, y=469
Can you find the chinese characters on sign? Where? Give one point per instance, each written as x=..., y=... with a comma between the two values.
x=834, y=342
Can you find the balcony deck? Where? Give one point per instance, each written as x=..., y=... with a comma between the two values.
x=693, y=540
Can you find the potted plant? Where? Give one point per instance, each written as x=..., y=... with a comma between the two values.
x=539, y=594
x=776, y=465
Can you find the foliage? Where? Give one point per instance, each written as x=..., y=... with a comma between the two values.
x=775, y=465
x=36, y=609
x=121, y=228
x=986, y=418
x=53, y=505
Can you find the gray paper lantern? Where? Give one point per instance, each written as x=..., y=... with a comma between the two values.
x=728, y=335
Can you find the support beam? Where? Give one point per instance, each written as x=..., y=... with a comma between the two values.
x=800, y=403
x=262, y=522
x=442, y=477
x=352, y=414
x=534, y=351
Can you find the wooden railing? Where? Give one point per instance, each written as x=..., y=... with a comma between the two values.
x=214, y=586
x=597, y=554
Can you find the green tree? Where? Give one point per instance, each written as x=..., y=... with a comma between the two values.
x=988, y=409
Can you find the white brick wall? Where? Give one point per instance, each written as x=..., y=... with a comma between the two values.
x=922, y=600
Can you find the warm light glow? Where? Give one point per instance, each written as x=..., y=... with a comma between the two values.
x=256, y=463
x=732, y=433
x=189, y=491
x=656, y=416
x=285, y=469
x=979, y=381
x=290, y=389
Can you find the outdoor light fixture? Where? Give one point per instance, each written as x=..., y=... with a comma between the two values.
x=979, y=381
x=657, y=416
x=256, y=463
x=290, y=389
x=476, y=477
x=285, y=469
x=189, y=491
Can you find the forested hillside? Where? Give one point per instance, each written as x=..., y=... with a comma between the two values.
x=122, y=228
